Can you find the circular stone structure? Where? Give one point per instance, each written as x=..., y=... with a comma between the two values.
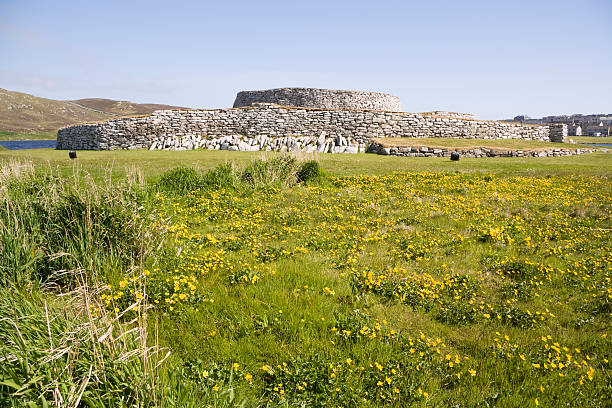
x=320, y=98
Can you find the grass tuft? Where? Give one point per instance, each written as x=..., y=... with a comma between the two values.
x=43, y=217
x=309, y=171
x=71, y=352
x=280, y=172
x=180, y=180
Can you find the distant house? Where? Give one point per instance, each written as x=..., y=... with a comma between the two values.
x=596, y=130
x=574, y=130
x=577, y=124
x=525, y=119
x=606, y=120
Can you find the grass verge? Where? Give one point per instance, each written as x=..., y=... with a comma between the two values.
x=589, y=139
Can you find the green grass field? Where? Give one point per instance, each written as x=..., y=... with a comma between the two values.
x=382, y=281
x=589, y=139
x=101, y=164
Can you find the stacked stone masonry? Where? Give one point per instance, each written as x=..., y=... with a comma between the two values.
x=272, y=127
x=321, y=99
x=425, y=151
x=558, y=132
x=445, y=114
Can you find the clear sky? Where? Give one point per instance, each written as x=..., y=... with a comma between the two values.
x=493, y=58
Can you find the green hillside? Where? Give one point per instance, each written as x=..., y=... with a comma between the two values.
x=20, y=112
x=121, y=107
x=24, y=116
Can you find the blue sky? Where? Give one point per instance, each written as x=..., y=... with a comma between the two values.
x=493, y=58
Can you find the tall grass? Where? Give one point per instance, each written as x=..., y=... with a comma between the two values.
x=278, y=172
x=60, y=345
x=43, y=216
x=70, y=352
x=58, y=238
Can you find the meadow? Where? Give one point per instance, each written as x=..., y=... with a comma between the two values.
x=188, y=279
x=592, y=139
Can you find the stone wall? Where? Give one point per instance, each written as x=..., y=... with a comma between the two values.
x=425, y=151
x=272, y=127
x=558, y=132
x=321, y=99
x=446, y=114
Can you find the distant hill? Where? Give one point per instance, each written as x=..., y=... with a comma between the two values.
x=120, y=107
x=20, y=112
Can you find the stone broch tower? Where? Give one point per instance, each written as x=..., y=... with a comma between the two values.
x=290, y=119
x=321, y=99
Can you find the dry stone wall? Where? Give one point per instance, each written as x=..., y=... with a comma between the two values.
x=446, y=114
x=272, y=127
x=321, y=99
x=425, y=151
x=558, y=132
